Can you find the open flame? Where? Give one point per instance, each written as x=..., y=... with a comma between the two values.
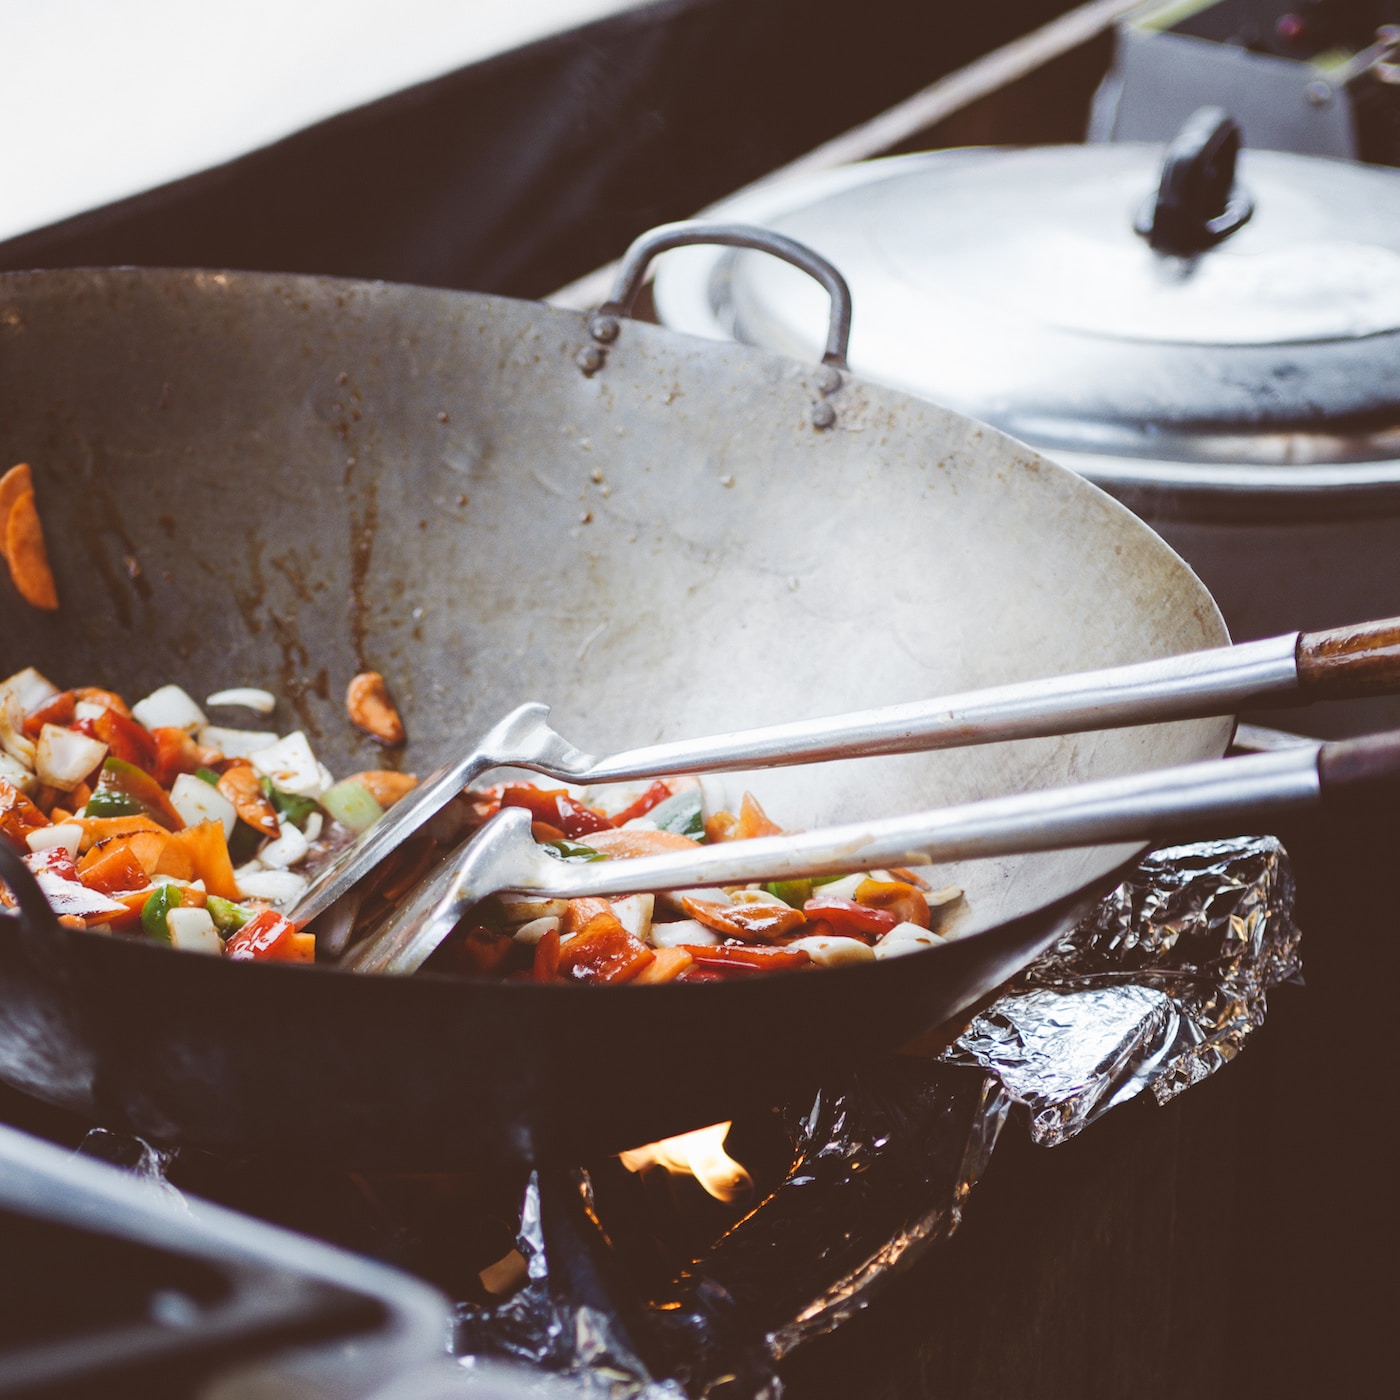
x=699, y=1154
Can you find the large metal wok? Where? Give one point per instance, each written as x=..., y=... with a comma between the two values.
x=280, y=481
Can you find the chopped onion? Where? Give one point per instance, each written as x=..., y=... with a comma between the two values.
x=351, y=805
x=71, y=897
x=634, y=913
x=844, y=888
x=289, y=848
x=314, y=822
x=16, y=774
x=50, y=838
x=672, y=935
x=235, y=743
x=12, y=736
x=169, y=708
x=831, y=951
x=280, y=887
x=290, y=765
x=192, y=930
x=30, y=688
x=906, y=938
x=246, y=697
x=63, y=757
x=536, y=929
x=523, y=908
x=198, y=801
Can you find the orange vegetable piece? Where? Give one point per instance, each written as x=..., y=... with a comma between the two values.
x=15, y=483
x=115, y=870
x=368, y=704
x=907, y=904
x=546, y=968
x=751, y=922
x=239, y=783
x=603, y=951
x=207, y=852
x=134, y=900
x=746, y=957
x=753, y=821
x=97, y=830
x=384, y=786
x=583, y=911
x=58, y=710
x=18, y=815
x=627, y=843
x=29, y=560
x=666, y=965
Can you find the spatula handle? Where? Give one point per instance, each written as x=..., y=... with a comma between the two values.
x=1344, y=663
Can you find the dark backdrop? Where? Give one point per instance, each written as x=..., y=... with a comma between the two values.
x=519, y=174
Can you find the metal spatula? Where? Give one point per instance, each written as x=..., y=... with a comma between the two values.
x=1359, y=660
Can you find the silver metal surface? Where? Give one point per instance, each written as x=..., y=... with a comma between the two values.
x=421, y=482
x=1174, y=687
x=1143, y=807
x=1064, y=329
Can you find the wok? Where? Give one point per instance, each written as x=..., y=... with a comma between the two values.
x=280, y=481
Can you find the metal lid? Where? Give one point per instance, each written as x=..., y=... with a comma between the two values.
x=1013, y=286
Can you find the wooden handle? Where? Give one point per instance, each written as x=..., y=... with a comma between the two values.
x=1346, y=662
x=1358, y=766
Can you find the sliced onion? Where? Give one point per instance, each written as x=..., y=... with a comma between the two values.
x=169, y=708
x=246, y=697
x=30, y=688
x=12, y=737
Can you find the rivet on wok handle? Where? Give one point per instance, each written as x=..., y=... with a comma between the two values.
x=1345, y=662
x=604, y=324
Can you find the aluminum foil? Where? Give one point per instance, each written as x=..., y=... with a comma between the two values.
x=1155, y=990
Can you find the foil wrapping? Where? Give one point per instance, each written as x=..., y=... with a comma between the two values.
x=1157, y=989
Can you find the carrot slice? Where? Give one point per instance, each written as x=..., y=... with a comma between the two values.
x=13, y=485
x=627, y=843
x=29, y=560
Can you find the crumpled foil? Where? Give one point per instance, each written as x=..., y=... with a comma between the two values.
x=1159, y=987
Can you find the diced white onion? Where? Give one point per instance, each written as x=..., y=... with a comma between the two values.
x=30, y=689
x=906, y=938
x=758, y=897
x=289, y=848
x=672, y=935
x=252, y=867
x=63, y=757
x=192, y=930
x=291, y=765
x=634, y=913
x=169, y=708
x=245, y=697
x=947, y=895
x=280, y=887
x=17, y=774
x=831, y=951
x=88, y=709
x=235, y=743
x=314, y=822
x=50, y=838
x=198, y=801
x=536, y=929
x=13, y=740
x=521, y=908
x=844, y=888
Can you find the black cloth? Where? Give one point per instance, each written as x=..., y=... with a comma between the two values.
x=521, y=173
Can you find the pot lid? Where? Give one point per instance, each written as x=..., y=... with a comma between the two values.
x=1013, y=285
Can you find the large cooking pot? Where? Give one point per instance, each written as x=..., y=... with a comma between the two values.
x=1217, y=347
x=280, y=481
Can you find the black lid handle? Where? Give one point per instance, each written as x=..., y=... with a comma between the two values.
x=1197, y=204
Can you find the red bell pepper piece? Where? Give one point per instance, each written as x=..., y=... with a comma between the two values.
x=18, y=816
x=555, y=807
x=654, y=796
x=126, y=740
x=56, y=710
x=746, y=956
x=603, y=951
x=849, y=919
x=271, y=937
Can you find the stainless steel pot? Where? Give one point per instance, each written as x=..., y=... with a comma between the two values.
x=1242, y=394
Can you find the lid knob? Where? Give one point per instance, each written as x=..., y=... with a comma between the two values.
x=1196, y=204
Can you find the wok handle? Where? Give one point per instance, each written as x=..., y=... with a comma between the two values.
x=1360, y=767
x=1347, y=662
x=36, y=923
x=603, y=324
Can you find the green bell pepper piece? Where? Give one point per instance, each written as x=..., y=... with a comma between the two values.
x=228, y=917
x=157, y=906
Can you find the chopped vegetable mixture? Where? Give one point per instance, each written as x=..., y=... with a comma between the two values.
x=148, y=821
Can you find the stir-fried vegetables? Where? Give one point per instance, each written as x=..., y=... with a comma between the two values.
x=148, y=821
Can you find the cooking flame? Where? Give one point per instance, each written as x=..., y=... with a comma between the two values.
x=699, y=1154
